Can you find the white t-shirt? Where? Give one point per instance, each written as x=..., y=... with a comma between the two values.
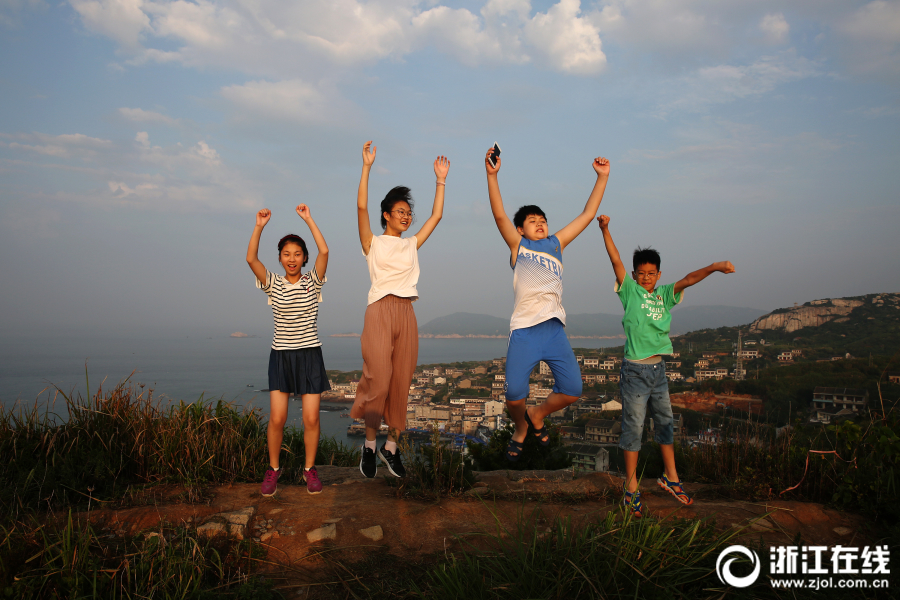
x=393, y=267
x=295, y=307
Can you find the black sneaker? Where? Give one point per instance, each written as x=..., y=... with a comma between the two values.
x=392, y=462
x=367, y=464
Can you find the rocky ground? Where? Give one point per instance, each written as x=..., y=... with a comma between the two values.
x=354, y=516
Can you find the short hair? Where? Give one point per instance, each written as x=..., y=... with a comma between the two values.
x=526, y=211
x=397, y=194
x=646, y=256
x=294, y=239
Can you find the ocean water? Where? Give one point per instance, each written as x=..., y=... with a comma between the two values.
x=190, y=367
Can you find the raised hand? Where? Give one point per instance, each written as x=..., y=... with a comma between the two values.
x=262, y=217
x=487, y=163
x=601, y=165
x=303, y=211
x=441, y=167
x=725, y=266
x=603, y=220
x=369, y=153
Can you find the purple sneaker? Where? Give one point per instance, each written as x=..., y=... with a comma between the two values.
x=270, y=482
x=313, y=483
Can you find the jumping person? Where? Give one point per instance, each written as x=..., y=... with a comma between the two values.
x=390, y=337
x=537, y=327
x=643, y=379
x=295, y=361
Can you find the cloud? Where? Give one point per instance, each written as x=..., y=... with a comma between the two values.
x=138, y=173
x=725, y=83
x=284, y=41
x=870, y=40
x=61, y=146
x=774, y=28
x=292, y=100
x=139, y=115
x=121, y=20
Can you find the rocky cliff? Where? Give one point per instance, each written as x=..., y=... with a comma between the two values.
x=819, y=312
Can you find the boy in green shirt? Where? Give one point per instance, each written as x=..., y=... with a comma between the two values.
x=643, y=376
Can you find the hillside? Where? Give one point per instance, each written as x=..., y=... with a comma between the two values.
x=858, y=325
x=684, y=319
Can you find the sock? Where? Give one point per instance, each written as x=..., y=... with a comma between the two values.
x=276, y=469
x=307, y=468
x=390, y=446
x=370, y=444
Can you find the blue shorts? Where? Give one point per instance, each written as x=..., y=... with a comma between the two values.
x=641, y=385
x=546, y=342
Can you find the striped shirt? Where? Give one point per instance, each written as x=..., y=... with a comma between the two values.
x=537, y=281
x=295, y=307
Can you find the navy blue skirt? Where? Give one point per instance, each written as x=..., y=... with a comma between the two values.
x=298, y=371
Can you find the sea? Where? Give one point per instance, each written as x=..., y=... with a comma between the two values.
x=190, y=368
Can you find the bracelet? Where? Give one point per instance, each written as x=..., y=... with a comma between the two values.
x=440, y=183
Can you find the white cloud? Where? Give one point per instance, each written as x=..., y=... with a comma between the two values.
x=871, y=39
x=293, y=100
x=725, y=83
x=568, y=41
x=139, y=115
x=61, y=146
x=775, y=28
x=121, y=20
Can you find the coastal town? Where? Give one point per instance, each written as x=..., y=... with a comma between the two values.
x=465, y=401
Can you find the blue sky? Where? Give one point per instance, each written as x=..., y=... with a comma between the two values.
x=137, y=140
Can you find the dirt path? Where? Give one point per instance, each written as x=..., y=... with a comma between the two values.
x=353, y=515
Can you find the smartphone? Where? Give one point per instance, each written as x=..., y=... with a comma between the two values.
x=495, y=154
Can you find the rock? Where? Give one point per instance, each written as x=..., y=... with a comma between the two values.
x=268, y=536
x=480, y=484
x=232, y=523
x=275, y=511
x=478, y=491
x=374, y=533
x=338, y=520
x=326, y=532
x=842, y=531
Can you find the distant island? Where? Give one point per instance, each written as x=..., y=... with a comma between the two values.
x=239, y=334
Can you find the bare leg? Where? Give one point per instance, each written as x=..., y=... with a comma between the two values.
x=278, y=409
x=631, y=461
x=553, y=403
x=517, y=414
x=668, y=456
x=311, y=428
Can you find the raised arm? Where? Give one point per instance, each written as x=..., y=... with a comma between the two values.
x=362, y=198
x=580, y=223
x=506, y=227
x=611, y=249
x=321, y=246
x=701, y=274
x=441, y=168
x=262, y=217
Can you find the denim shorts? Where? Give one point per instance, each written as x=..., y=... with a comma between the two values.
x=640, y=385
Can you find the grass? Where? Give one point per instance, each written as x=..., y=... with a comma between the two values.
x=73, y=560
x=120, y=438
x=615, y=557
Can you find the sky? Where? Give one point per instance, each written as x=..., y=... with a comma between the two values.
x=139, y=138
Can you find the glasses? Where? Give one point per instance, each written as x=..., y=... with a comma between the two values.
x=403, y=213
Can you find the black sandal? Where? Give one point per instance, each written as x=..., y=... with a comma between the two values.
x=514, y=446
x=539, y=433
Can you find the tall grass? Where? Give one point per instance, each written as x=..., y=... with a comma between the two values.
x=433, y=470
x=74, y=561
x=122, y=437
x=853, y=465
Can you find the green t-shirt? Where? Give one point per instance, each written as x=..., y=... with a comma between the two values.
x=647, y=318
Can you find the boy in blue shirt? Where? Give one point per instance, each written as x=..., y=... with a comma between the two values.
x=643, y=376
x=537, y=327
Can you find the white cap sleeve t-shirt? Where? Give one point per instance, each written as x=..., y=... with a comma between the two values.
x=393, y=267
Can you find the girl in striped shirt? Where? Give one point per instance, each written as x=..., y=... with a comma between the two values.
x=295, y=361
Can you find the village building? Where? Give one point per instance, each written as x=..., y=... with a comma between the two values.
x=588, y=457
x=602, y=431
